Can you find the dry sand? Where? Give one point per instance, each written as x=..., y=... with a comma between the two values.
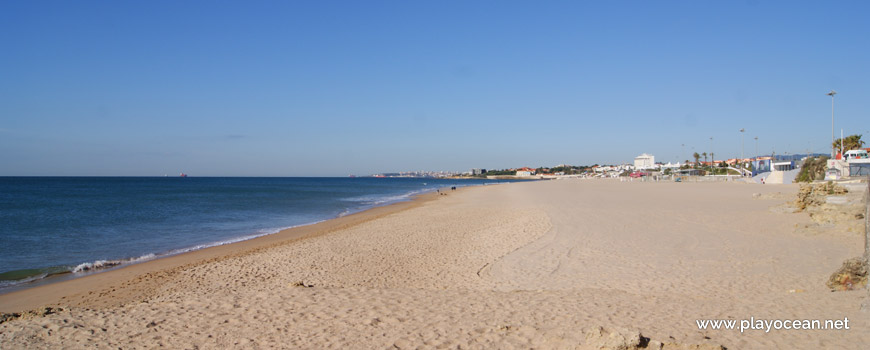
x=525, y=265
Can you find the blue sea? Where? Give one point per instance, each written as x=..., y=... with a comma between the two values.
x=78, y=225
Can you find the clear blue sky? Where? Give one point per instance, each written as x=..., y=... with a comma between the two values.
x=331, y=88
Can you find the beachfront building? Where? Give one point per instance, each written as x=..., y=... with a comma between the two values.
x=783, y=166
x=672, y=166
x=688, y=172
x=525, y=172
x=645, y=161
x=478, y=171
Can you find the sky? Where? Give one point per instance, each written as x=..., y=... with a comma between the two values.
x=332, y=88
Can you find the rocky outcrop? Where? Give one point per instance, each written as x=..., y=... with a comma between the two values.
x=599, y=338
x=816, y=194
x=852, y=275
x=831, y=206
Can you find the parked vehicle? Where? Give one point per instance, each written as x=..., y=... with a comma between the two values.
x=856, y=156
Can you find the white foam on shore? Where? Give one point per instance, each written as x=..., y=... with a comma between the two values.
x=381, y=200
x=261, y=233
x=10, y=283
x=377, y=200
x=102, y=264
x=98, y=265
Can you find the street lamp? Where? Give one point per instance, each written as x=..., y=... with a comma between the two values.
x=833, y=148
x=711, y=154
x=742, y=130
x=756, y=148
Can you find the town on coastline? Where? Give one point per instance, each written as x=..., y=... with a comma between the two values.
x=850, y=160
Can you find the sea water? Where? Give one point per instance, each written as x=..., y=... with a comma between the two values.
x=78, y=225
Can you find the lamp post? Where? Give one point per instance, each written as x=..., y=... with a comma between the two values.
x=711, y=154
x=742, y=130
x=756, y=148
x=833, y=148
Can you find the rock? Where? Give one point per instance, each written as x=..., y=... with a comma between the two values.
x=301, y=284
x=816, y=194
x=852, y=275
x=624, y=339
x=616, y=339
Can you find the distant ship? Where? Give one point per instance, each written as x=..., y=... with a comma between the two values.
x=183, y=175
x=351, y=176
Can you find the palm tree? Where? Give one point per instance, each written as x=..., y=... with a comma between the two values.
x=705, y=156
x=849, y=143
x=697, y=156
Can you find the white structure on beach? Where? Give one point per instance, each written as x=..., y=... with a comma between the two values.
x=672, y=166
x=645, y=161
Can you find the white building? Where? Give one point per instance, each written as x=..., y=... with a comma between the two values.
x=672, y=166
x=645, y=161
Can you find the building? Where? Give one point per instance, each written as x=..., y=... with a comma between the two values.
x=783, y=166
x=645, y=161
x=478, y=171
x=525, y=172
x=672, y=166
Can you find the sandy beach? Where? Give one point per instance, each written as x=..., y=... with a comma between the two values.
x=554, y=264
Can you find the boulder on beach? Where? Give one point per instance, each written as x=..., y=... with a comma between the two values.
x=852, y=275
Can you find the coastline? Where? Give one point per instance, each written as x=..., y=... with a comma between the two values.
x=169, y=220
x=75, y=291
x=551, y=264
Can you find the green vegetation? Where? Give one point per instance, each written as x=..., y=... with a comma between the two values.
x=498, y=172
x=566, y=169
x=849, y=143
x=722, y=169
x=571, y=169
x=812, y=169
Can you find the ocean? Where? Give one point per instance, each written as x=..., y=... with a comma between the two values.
x=74, y=226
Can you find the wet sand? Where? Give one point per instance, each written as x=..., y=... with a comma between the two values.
x=525, y=265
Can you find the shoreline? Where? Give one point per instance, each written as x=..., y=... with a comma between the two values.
x=27, y=274
x=61, y=289
x=552, y=264
x=58, y=273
